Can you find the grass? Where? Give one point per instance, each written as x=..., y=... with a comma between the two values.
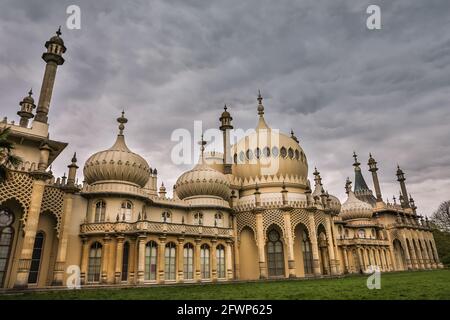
x=402, y=285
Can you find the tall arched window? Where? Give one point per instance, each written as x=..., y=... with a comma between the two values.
x=275, y=257
x=198, y=218
x=188, y=262
x=100, y=209
x=204, y=261
x=36, y=257
x=126, y=253
x=220, y=257
x=166, y=217
x=6, y=238
x=151, y=251
x=170, y=261
x=126, y=210
x=307, y=253
x=218, y=219
x=95, y=262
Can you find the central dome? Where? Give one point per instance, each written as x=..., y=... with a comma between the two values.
x=117, y=163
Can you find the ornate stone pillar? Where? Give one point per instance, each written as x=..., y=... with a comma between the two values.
x=161, y=259
x=30, y=230
x=426, y=257
x=409, y=265
x=214, y=260
x=84, y=260
x=418, y=250
x=228, y=260
x=436, y=256
x=141, y=258
x=237, y=274
x=346, y=266
x=119, y=258
x=290, y=243
x=198, y=274
x=180, y=260
x=412, y=255
x=132, y=261
x=314, y=245
x=360, y=259
x=261, y=246
x=333, y=263
x=106, y=259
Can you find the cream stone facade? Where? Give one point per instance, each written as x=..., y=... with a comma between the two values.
x=248, y=213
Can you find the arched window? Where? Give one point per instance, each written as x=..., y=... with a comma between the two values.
x=275, y=152
x=188, y=262
x=297, y=155
x=6, y=238
x=241, y=157
x=307, y=253
x=291, y=153
x=266, y=152
x=283, y=152
x=275, y=257
x=198, y=218
x=166, y=217
x=95, y=262
x=220, y=257
x=126, y=253
x=204, y=261
x=346, y=234
x=235, y=158
x=373, y=233
x=170, y=261
x=36, y=257
x=125, y=210
x=218, y=219
x=249, y=154
x=258, y=153
x=151, y=251
x=361, y=233
x=100, y=209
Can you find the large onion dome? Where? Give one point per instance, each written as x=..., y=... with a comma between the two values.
x=354, y=208
x=202, y=181
x=117, y=164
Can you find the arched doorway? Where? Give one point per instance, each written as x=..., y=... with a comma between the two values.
x=6, y=241
x=125, y=257
x=302, y=251
x=275, y=254
x=399, y=255
x=248, y=255
x=323, y=249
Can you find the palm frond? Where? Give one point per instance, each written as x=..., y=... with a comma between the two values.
x=13, y=160
x=4, y=133
x=3, y=172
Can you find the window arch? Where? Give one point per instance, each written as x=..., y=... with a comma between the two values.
x=220, y=257
x=188, y=262
x=361, y=233
x=307, y=253
x=100, y=209
x=170, y=261
x=36, y=257
x=275, y=257
x=204, y=261
x=297, y=155
x=235, y=158
x=258, y=153
x=275, y=152
x=125, y=256
x=95, y=262
x=126, y=210
x=6, y=239
x=241, y=157
x=166, y=217
x=283, y=152
x=198, y=218
x=266, y=152
x=151, y=252
x=249, y=154
x=290, y=153
x=218, y=219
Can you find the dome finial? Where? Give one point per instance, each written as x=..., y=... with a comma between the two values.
x=260, y=105
x=348, y=186
x=356, y=163
x=58, y=32
x=74, y=158
x=202, y=144
x=30, y=93
x=122, y=120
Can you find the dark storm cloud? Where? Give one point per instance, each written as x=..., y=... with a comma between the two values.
x=340, y=86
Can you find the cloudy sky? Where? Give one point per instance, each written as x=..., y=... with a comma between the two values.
x=340, y=86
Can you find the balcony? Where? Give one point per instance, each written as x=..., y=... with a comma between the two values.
x=100, y=228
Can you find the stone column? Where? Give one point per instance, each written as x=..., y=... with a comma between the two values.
x=419, y=254
x=132, y=261
x=228, y=260
x=30, y=230
x=161, y=259
x=198, y=274
x=119, y=259
x=344, y=253
x=261, y=246
x=237, y=274
x=314, y=245
x=409, y=264
x=333, y=264
x=214, y=260
x=106, y=260
x=383, y=259
x=430, y=254
x=412, y=255
x=84, y=260
x=141, y=259
x=360, y=259
x=433, y=247
x=426, y=257
x=180, y=260
x=59, y=270
x=290, y=244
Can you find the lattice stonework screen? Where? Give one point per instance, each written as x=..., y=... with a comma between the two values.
x=273, y=217
x=52, y=201
x=18, y=186
x=246, y=219
x=299, y=216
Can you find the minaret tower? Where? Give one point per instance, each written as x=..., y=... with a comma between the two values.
x=373, y=168
x=404, y=193
x=26, y=109
x=53, y=58
x=225, y=120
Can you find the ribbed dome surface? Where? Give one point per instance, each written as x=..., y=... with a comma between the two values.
x=354, y=208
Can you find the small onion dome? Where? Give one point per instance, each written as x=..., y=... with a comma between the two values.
x=335, y=204
x=202, y=180
x=28, y=99
x=56, y=38
x=117, y=164
x=354, y=208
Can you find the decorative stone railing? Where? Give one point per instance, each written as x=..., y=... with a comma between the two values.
x=154, y=227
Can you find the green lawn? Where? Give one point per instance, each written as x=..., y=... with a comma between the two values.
x=402, y=285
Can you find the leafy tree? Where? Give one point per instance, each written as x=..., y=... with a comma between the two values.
x=441, y=217
x=7, y=158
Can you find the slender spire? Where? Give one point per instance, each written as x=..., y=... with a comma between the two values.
x=293, y=136
x=317, y=177
x=260, y=105
x=348, y=186
x=202, y=144
x=361, y=190
x=122, y=120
